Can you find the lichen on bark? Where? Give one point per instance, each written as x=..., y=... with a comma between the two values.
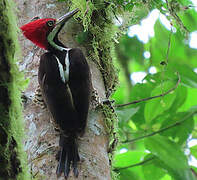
x=12, y=157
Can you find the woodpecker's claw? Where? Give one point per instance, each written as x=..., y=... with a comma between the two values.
x=38, y=99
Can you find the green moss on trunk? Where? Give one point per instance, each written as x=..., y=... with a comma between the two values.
x=12, y=157
x=102, y=33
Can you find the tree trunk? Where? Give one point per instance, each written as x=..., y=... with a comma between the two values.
x=12, y=158
x=41, y=143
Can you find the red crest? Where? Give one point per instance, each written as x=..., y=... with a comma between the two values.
x=37, y=31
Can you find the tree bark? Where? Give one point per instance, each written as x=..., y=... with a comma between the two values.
x=41, y=143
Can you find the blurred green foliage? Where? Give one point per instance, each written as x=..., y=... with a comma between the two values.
x=156, y=133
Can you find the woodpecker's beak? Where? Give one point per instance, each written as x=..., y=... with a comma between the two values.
x=66, y=17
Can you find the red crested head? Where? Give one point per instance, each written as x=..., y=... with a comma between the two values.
x=38, y=30
x=43, y=31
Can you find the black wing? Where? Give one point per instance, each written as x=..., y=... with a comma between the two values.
x=80, y=84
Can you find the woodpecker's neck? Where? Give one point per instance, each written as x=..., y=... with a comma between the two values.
x=61, y=54
x=52, y=38
x=54, y=45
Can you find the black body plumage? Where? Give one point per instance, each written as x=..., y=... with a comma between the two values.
x=68, y=101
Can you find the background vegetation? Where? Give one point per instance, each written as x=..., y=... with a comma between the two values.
x=157, y=134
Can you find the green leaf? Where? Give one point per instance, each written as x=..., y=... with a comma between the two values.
x=157, y=106
x=193, y=151
x=130, y=48
x=171, y=156
x=182, y=131
x=123, y=116
x=184, y=2
x=189, y=16
x=161, y=77
x=166, y=177
x=120, y=1
x=151, y=170
x=188, y=76
x=190, y=101
x=160, y=43
x=129, y=7
x=140, y=91
x=126, y=114
x=181, y=91
x=128, y=158
x=181, y=96
x=180, y=53
x=131, y=173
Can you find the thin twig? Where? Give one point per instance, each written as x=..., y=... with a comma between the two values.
x=194, y=172
x=134, y=165
x=167, y=4
x=153, y=97
x=169, y=44
x=161, y=130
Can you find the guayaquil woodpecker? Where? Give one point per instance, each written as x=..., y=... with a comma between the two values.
x=64, y=79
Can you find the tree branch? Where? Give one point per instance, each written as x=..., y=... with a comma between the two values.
x=161, y=130
x=153, y=97
x=133, y=165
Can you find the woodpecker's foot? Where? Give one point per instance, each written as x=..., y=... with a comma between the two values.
x=55, y=125
x=95, y=99
x=81, y=138
x=108, y=101
x=24, y=98
x=38, y=99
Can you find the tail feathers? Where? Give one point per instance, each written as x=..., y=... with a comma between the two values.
x=69, y=156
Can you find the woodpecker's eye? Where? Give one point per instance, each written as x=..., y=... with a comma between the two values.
x=50, y=23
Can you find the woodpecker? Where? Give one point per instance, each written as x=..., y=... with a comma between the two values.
x=64, y=79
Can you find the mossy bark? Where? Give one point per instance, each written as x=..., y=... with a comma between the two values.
x=11, y=155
